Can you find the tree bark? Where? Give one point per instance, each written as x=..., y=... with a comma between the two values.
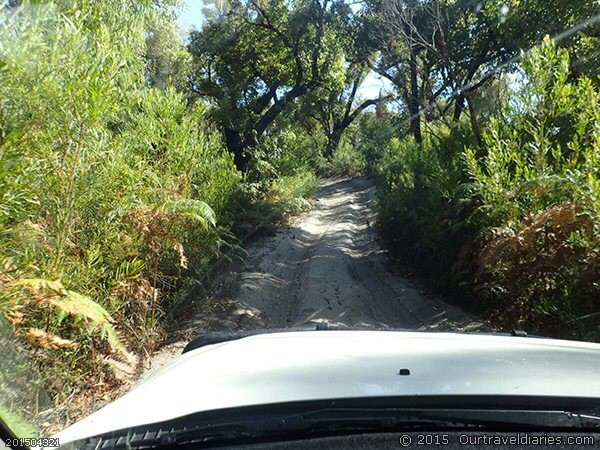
x=414, y=103
x=473, y=118
x=238, y=143
x=458, y=107
x=237, y=146
x=270, y=114
x=333, y=140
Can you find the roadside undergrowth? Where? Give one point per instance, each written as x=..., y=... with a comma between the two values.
x=511, y=225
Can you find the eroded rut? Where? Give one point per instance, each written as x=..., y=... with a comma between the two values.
x=328, y=267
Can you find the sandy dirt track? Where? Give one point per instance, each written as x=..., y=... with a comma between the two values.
x=328, y=267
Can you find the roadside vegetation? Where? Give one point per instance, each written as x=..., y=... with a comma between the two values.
x=511, y=224
x=117, y=192
x=133, y=159
x=490, y=191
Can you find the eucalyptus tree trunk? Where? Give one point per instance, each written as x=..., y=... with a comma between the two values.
x=414, y=104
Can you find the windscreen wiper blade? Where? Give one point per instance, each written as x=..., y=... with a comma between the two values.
x=329, y=421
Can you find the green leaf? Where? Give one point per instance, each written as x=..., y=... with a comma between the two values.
x=195, y=210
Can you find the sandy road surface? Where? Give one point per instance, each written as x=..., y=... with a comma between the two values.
x=328, y=267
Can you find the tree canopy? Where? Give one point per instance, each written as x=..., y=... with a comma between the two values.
x=257, y=58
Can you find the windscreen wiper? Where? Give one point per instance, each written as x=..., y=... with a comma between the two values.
x=332, y=421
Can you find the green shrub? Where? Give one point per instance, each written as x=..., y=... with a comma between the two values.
x=513, y=222
x=347, y=160
x=291, y=151
x=543, y=149
x=110, y=190
x=371, y=136
x=538, y=182
x=280, y=178
x=290, y=193
x=424, y=200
